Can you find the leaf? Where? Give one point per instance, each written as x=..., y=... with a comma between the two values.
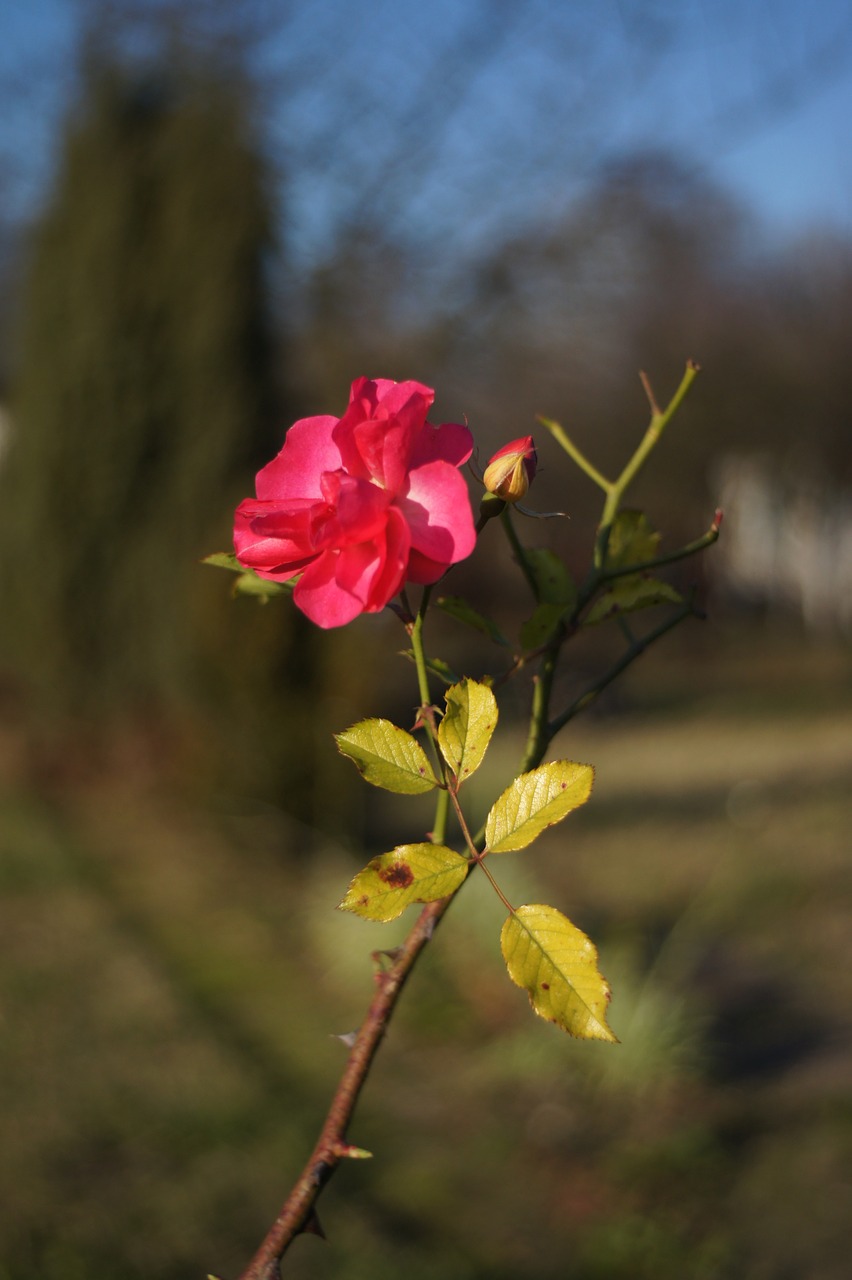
x=628, y=594
x=631, y=540
x=557, y=596
x=556, y=964
x=387, y=756
x=467, y=726
x=554, y=582
x=538, y=629
x=534, y=801
x=459, y=609
x=248, y=583
x=410, y=873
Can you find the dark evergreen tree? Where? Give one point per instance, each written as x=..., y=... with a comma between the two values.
x=144, y=401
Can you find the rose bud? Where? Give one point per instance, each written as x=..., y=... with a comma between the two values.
x=511, y=471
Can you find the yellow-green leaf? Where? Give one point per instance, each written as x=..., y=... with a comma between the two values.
x=557, y=965
x=387, y=756
x=410, y=873
x=629, y=594
x=467, y=726
x=534, y=801
x=632, y=540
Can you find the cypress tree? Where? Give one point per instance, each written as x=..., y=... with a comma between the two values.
x=143, y=402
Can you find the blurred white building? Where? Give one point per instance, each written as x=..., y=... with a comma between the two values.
x=786, y=542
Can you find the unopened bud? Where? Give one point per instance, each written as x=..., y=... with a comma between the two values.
x=511, y=471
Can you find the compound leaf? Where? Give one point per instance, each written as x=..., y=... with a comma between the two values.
x=409, y=873
x=387, y=756
x=465, y=731
x=556, y=964
x=630, y=593
x=534, y=801
x=632, y=540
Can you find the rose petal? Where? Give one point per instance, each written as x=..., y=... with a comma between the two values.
x=308, y=450
x=437, y=509
x=450, y=442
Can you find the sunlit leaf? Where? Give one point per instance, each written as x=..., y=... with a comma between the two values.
x=459, y=609
x=387, y=756
x=627, y=594
x=632, y=540
x=535, y=801
x=556, y=964
x=410, y=873
x=466, y=729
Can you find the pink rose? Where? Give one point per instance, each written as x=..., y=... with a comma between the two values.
x=359, y=505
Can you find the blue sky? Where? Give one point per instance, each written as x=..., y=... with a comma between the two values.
x=509, y=107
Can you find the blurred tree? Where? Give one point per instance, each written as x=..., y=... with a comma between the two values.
x=144, y=400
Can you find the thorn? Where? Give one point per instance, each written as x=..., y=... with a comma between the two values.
x=348, y=1038
x=313, y=1226
x=378, y=958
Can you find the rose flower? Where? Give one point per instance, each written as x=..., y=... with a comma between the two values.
x=357, y=506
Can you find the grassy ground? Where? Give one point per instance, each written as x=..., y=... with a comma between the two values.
x=172, y=977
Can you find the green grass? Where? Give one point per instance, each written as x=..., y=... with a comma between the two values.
x=171, y=981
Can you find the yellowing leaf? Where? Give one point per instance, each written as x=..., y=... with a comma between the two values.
x=631, y=593
x=535, y=801
x=410, y=873
x=387, y=756
x=467, y=726
x=557, y=966
x=632, y=540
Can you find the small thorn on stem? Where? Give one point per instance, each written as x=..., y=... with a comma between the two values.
x=313, y=1226
x=348, y=1038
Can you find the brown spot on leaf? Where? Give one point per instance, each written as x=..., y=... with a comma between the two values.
x=545, y=986
x=399, y=876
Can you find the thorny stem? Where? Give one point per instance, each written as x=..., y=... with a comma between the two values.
x=298, y=1214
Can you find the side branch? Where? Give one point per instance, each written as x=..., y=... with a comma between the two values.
x=298, y=1213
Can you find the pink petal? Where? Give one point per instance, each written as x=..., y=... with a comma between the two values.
x=390, y=578
x=450, y=442
x=437, y=509
x=319, y=596
x=423, y=570
x=376, y=434
x=268, y=540
x=308, y=450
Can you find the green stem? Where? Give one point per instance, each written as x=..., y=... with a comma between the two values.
x=690, y=549
x=442, y=808
x=630, y=655
x=561, y=436
x=518, y=550
x=660, y=419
